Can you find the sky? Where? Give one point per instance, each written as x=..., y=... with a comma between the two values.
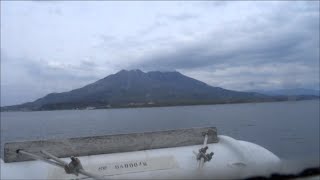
x=57, y=46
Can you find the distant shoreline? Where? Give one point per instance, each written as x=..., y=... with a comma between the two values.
x=166, y=105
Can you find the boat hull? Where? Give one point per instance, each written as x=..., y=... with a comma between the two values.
x=232, y=159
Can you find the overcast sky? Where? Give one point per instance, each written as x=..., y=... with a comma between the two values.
x=58, y=46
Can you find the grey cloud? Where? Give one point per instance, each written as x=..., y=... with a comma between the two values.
x=31, y=79
x=41, y=70
x=178, y=17
x=151, y=28
x=106, y=38
x=276, y=41
x=211, y=4
x=259, y=76
x=219, y=3
x=56, y=11
x=69, y=71
x=163, y=20
x=54, y=6
x=88, y=63
x=201, y=55
x=112, y=42
x=102, y=41
x=285, y=39
x=44, y=1
x=233, y=55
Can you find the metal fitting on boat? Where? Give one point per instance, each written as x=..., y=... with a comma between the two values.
x=203, y=150
x=202, y=154
x=74, y=166
x=202, y=157
x=208, y=157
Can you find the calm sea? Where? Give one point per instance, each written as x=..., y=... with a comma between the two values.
x=288, y=129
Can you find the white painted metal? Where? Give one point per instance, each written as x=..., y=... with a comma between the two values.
x=232, y=159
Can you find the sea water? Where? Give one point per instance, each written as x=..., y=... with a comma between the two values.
x=288, y=129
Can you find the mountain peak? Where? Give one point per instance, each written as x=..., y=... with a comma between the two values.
x=173, y=72
x=124, y=71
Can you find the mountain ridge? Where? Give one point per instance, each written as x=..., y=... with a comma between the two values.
x=135, y=88
x=289, y=92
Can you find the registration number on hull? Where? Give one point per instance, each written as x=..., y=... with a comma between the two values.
x=121, y=167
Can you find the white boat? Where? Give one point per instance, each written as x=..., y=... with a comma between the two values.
x=176, y=154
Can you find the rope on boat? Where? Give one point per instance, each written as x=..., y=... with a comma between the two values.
x=74, y=167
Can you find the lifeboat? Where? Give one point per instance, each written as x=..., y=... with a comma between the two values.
x=195, y=153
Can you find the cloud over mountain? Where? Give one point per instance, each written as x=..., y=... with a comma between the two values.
x=58, y=46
